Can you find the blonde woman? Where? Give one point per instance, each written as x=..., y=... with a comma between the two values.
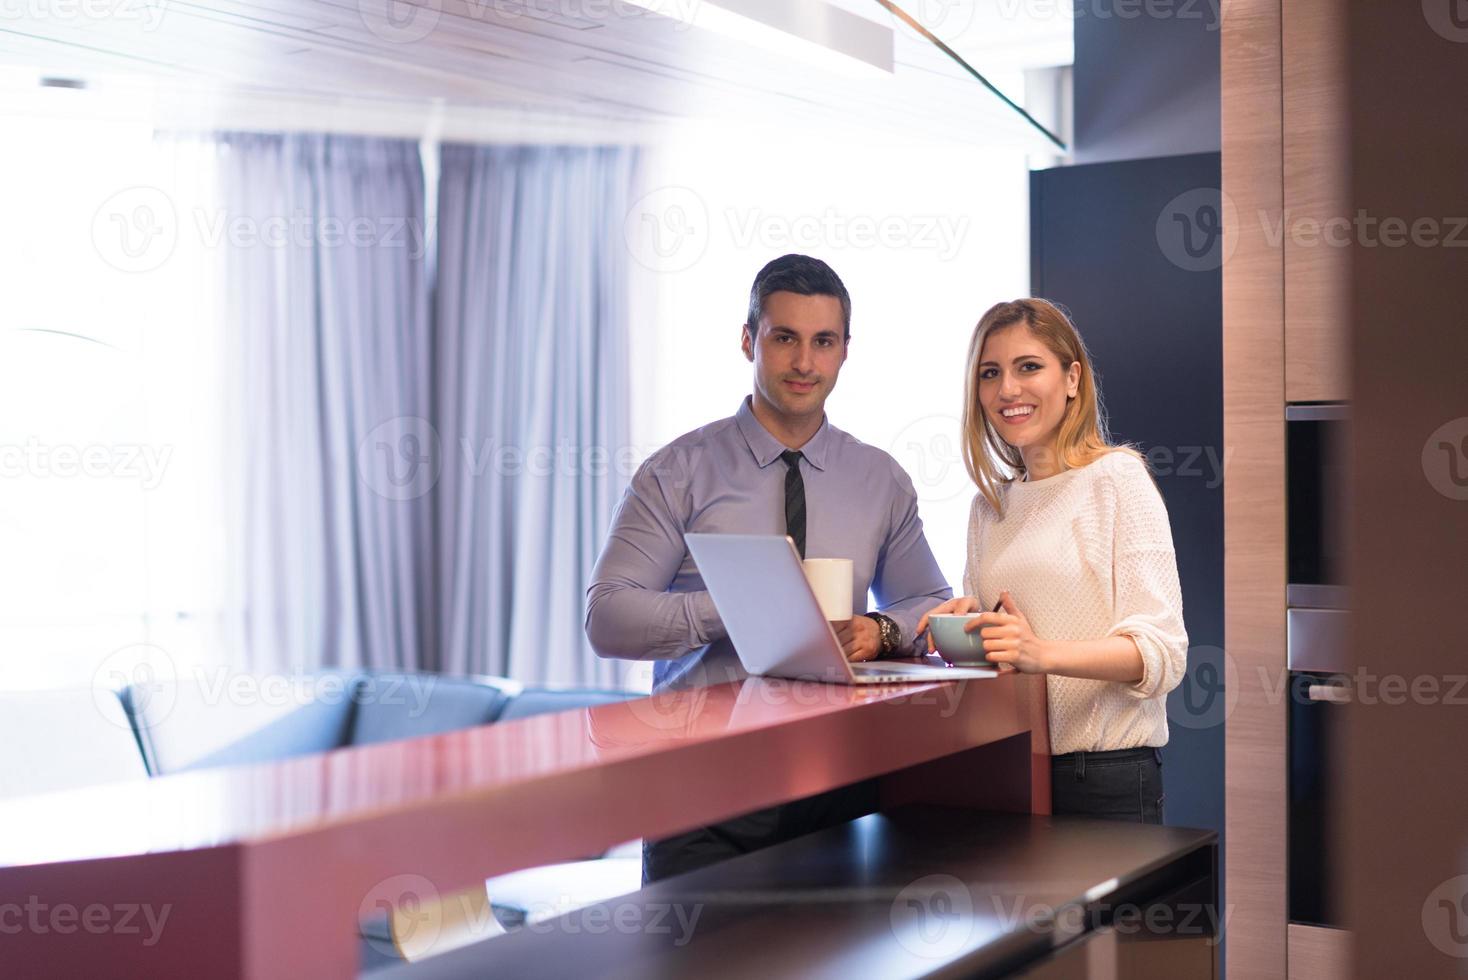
x=1069, y=537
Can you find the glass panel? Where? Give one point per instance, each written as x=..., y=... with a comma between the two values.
x=947, y=40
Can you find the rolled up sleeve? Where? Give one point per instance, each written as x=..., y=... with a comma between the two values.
x=1148, y=597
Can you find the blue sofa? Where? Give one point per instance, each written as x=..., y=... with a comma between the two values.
x=238, y=719
x=71, y=738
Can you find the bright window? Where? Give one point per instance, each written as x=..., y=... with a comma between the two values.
x=109, y=500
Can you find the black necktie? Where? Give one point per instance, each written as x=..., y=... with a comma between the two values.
x=794, y=499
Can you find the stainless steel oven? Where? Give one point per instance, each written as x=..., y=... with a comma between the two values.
x=1317, y=504
x=1319, y=657
x=1315, y=737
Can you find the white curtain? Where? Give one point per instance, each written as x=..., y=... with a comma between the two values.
x=423, y=484
x=327, y=360
x=531, y=402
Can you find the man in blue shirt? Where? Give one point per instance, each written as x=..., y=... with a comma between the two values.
x=776, y=466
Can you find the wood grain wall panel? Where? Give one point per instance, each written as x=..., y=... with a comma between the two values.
x=1405, y=765
x=1319, y=954
x=1254, y=499
x=1317, y=229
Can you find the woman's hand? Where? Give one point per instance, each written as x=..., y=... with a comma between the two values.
x=1008, y=638
x=961, y=604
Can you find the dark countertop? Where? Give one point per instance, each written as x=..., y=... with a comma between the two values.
x=920, y=891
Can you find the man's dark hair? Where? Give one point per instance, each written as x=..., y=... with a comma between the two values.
x=799, y=274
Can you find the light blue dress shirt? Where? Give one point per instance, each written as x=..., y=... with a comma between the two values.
x=647, y=599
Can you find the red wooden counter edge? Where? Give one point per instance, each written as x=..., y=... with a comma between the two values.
x=269, y=878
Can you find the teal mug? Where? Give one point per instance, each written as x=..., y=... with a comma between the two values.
x=956, y=647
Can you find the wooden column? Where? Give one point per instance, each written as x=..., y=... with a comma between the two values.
x=1254, y=492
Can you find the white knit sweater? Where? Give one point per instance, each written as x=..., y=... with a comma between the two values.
x=1087, y=554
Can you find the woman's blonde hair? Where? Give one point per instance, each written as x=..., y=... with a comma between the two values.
x=1083, y=438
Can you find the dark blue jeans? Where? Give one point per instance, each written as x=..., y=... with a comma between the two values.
x=1121, y=785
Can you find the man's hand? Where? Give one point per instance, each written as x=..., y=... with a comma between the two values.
x=860, y=638
x=961, y=604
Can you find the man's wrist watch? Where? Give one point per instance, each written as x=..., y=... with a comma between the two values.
x=891, y=633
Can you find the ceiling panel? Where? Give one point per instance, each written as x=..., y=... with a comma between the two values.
x=554, y=65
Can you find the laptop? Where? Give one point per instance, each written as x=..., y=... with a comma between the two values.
x=775, y=622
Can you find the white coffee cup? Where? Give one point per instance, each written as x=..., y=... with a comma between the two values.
x=831, y=579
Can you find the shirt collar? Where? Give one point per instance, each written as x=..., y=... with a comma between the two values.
x=766, y=448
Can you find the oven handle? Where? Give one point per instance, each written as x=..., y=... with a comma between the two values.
x=1330, y=693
